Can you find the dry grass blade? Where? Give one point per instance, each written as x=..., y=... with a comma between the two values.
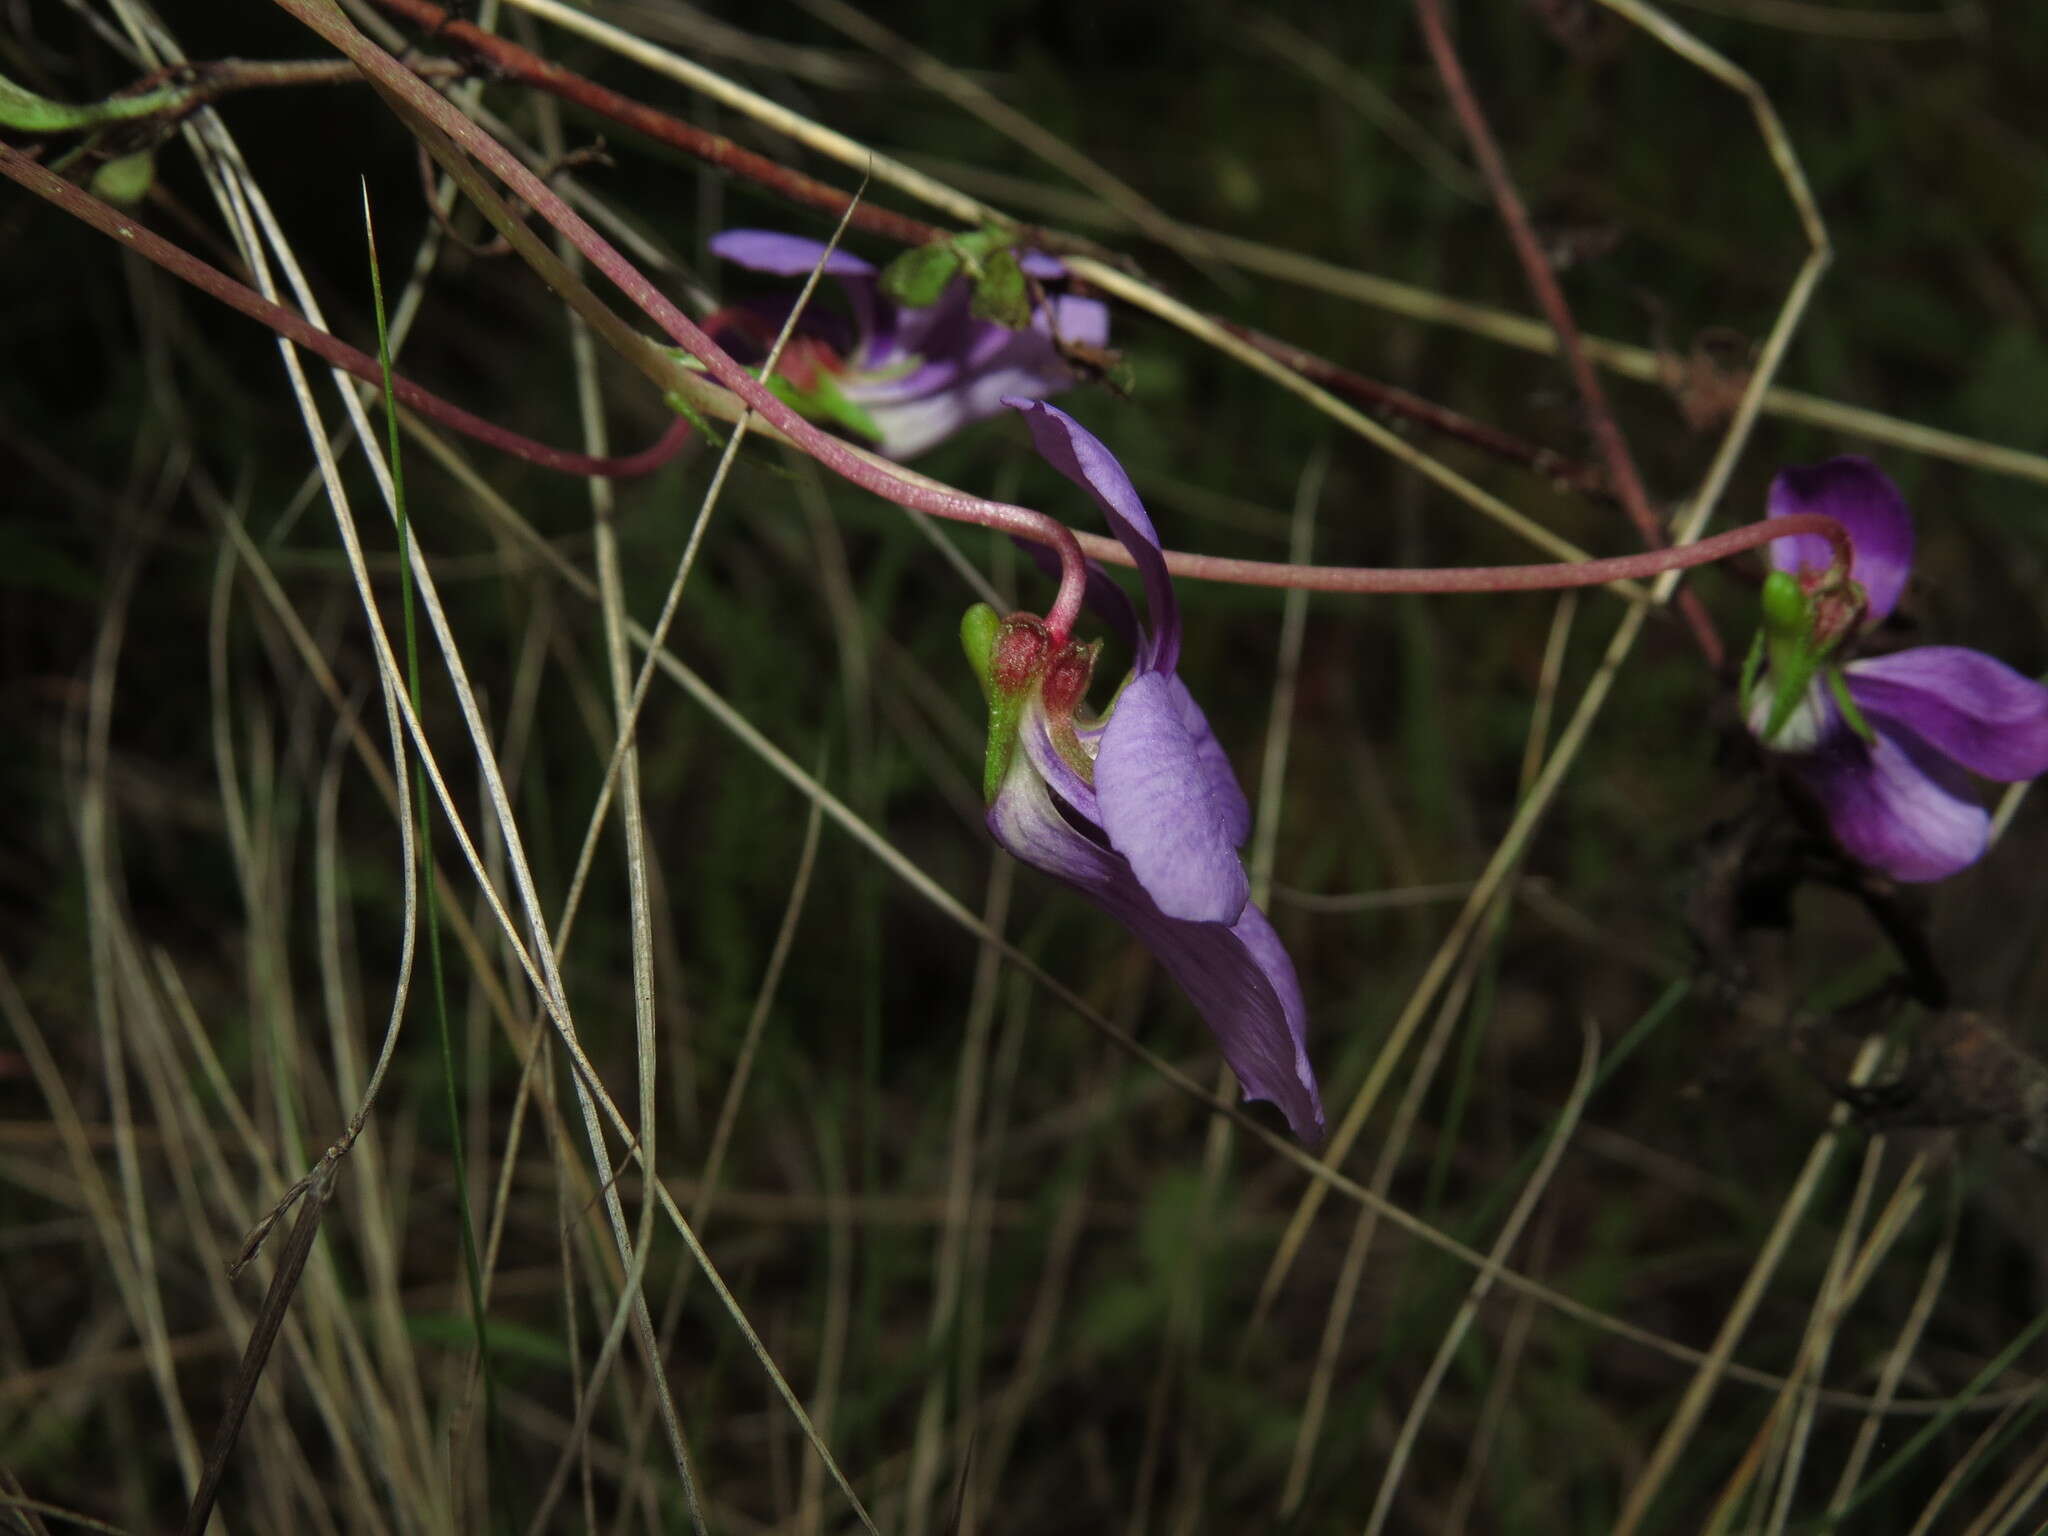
x=1895, y=1363
x=1538, y=800
x=298, y=1248
x=1510, y=1234
x=1014, y=125
x=1323, y=1178
x=1685, y=1419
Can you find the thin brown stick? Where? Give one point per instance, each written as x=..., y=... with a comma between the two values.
x=524, y=67
x=210, y=280
x=1555, y=467
x=314, y=1194
x=1621, y=467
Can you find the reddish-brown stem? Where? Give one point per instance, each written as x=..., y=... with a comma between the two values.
x=1621, y=468
x=411, y=95
x=1336, y=378
x=1353, y=579
x=1495, y=578
x=524, y=67
x=210, y=280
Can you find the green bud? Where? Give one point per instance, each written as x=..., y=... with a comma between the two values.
x=1786, y=643
x=125, y=181
x=1000, y=292
x=919, y=276
x=1787, y=609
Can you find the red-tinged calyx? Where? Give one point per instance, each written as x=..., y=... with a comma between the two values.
x=1019, y=662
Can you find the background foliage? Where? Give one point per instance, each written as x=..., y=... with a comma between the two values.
x=202, y=893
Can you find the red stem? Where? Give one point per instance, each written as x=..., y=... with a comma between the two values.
x=524, y=67
x=388, y=75
x=1621, y=468
x=1266, y=573
x=109, y=221
x=1495, y=578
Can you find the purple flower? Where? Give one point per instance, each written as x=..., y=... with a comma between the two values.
x=1137, y=808
x=902, y=378
x=1883, y=743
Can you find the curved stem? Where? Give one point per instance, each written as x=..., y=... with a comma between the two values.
x=210, y=280
x=413, y=94
x=1493, y=166
x=1490, y=578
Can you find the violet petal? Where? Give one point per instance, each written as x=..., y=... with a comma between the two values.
x=1024, y=820
x=1239, y=978
x=1225, y=793
x=1161, y=810
x=1895, y=804
x=1068, y=785
x=1079, y=455
x=1266, y=1072
x=771, y=251
x=1966, y=705
x=1862, y=498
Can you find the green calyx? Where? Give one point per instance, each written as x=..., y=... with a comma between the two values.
x=981, y=636
x=1794, y=648
x=825, y=401
x=919, y=277
x=1019, y=665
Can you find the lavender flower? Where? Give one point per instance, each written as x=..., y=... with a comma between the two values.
x=1137, y=808
x=1883, y=743
x=902, y=378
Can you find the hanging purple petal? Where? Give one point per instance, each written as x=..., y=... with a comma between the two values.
x=1160, y=807
x=1239, y=977
x=1041, y=266
x=1079, y=455
x=1968, y=706
x=771, y=251
x=1895, y=804
x=1263, y=1066
x=1862, y=498
x=1025, y=820
x=1219, y=779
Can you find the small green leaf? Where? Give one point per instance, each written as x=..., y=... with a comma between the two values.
x=680, y=403
x=918, y=277
x=126, y=181
x=1000, y=293
x=1751, y=665
x=1839, y=685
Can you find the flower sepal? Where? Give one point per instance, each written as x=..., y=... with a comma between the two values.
x=821, y=399
x=1023, y=668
